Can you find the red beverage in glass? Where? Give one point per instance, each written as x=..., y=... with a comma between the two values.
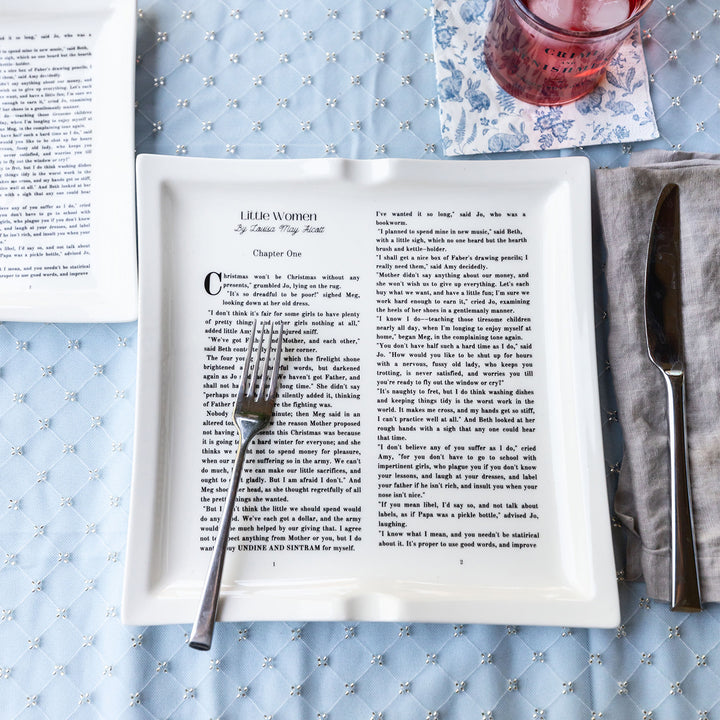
x=551, y=52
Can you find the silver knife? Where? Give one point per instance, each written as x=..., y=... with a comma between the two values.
x=663, y=324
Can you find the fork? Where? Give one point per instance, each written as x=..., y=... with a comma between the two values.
x=253, y=410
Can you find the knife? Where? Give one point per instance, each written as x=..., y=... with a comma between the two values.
x=663, y=325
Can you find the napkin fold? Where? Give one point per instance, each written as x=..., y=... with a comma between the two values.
x=477, y=116
x=627, y=199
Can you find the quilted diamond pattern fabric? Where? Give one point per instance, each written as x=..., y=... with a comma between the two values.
x=301, y=78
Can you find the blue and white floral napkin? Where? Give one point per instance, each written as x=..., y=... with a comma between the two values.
x=477, y=116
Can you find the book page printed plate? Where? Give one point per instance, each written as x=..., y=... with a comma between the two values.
x=435, y=453
x=67, y=190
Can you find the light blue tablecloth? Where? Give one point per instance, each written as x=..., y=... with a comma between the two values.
x=302, y=78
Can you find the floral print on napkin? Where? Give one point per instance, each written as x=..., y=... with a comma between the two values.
x=478, y=116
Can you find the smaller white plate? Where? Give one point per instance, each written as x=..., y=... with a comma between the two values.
x=67, y=219
x=222, y=241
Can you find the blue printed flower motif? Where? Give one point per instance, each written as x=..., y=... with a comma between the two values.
x=444, y=33
x=622, y=133
x=551, y=121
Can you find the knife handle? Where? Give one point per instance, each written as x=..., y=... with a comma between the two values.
x=684, y=571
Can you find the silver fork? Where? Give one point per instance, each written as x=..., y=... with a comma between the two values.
x=253, y=410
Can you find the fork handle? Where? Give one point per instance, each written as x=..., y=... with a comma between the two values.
x=202, y=631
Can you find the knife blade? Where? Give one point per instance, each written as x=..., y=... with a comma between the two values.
x=663, y=325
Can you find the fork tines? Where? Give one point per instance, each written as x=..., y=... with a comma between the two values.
x=257, y=383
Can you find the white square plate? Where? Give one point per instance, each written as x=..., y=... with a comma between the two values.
x=205, y=227
x=75, y=258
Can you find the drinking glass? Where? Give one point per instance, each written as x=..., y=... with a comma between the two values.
x=544, y=63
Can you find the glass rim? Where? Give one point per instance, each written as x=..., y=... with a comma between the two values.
x=581, y=34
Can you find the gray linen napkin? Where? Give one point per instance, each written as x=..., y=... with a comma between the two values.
x=627, y=198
